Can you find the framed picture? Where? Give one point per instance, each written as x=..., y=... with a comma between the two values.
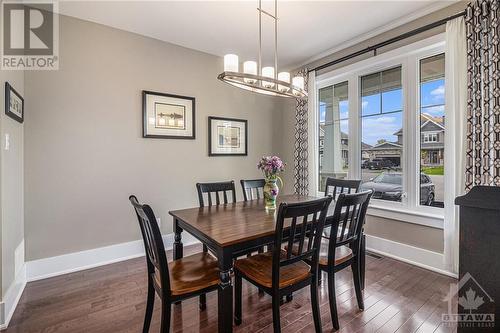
x=14, y=103
x=227, y=137
x=167, y=116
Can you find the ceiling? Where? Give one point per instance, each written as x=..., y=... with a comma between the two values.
x=306, y=29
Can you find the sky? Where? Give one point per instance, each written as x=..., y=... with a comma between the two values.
x=381, y=120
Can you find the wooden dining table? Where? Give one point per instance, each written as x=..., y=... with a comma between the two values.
x=228, y=230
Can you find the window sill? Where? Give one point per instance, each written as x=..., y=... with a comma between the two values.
x=409, y=216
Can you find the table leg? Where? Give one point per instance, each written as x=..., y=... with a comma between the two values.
x=225, y=295
x=178, y=246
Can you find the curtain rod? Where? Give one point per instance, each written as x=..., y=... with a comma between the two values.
x=389, y=41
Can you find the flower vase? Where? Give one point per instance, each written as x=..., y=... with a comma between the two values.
x=271, y=191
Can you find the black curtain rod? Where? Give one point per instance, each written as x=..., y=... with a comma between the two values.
x=389, y=41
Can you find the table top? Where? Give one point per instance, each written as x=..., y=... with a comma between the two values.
x=236, y=222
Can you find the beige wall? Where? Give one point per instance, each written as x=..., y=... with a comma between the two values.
x=417, y=235
x=407, y=233
x=83, y=147
x=11, y=183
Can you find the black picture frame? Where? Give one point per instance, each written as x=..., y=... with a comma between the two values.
x=145, y=134
x=8, y=90
x=210, y=147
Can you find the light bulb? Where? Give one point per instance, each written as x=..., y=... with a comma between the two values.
x=283, y=76
x=298, y=82
x=231, y=63
x=268, y=72
x=250, y=67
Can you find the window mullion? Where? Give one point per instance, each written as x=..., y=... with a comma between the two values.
x=412, y=146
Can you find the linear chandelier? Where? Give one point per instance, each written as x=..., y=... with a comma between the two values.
x=263, y=80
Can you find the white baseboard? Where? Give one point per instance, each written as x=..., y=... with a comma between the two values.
x=11, y=298
x=427, y=259
x=78, y=261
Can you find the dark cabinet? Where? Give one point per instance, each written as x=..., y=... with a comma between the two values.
x=479, y=270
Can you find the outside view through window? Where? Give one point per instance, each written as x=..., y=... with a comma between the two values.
x=381, y=127
x=382, y=134
x=333, y=133
x=432, y=129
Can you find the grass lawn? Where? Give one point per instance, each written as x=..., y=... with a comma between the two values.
x=436, y=171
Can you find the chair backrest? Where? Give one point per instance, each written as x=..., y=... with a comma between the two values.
x=214, y=189
x=298, y=222
x=347, y=222
x=251, y=186
x=336, y=186
x=156, y=258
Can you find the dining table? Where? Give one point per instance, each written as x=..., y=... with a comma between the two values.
x=230, y=229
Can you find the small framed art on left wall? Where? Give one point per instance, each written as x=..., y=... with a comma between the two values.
x=14, y=103
x=167, y=116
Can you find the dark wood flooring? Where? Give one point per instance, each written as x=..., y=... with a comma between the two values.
x=398, y=298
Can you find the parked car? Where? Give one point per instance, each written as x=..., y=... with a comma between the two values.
x=364, y=164
x=379, y=164
x=389, y=186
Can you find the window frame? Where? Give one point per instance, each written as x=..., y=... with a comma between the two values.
x=408, y=57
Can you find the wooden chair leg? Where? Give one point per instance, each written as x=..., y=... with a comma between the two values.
x=357, y=283
x=165, y=317
x=237, y=299
x=333, y=300
x=315, y=306
x=150, y=302
x=261, y=250
x=203, y=302
x=276, y=313
x=363, y=261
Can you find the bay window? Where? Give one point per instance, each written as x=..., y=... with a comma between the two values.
x=382, y=120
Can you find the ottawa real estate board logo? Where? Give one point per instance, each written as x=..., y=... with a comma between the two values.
x=476, y=307
x=30, y=35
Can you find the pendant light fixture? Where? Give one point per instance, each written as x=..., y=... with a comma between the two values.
x=264, y=80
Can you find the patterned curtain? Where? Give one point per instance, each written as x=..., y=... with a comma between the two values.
x=301, y=173
x=483, y=100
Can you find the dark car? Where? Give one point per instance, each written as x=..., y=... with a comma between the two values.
x=389, y=186
x=379, y=164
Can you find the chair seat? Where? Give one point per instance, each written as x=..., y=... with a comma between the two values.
x=342, y=253
x=192, y=273
x=259, y=269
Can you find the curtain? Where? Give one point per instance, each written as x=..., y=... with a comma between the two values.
x=456, y=117
x=301, y=155
x=483, y=102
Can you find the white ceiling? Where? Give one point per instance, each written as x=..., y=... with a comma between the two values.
x=306, y=29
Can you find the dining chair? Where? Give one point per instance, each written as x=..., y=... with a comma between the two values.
x=252, y=188
x=280, y=272
x=213, y=193
x=175, y=281
x=335, y=186
x=337, y=253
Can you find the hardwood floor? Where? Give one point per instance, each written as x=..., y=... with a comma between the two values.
x=398, y=298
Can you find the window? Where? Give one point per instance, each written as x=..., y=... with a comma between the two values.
x=382, y=120
x=382, y=134
x=432, y=130
x=333, y=133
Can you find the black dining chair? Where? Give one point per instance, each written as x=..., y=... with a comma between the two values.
x=337, y=253
x=252, y=188
x=336, y=186
x=214, y=192
x=282, y=271
x=180, y=279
